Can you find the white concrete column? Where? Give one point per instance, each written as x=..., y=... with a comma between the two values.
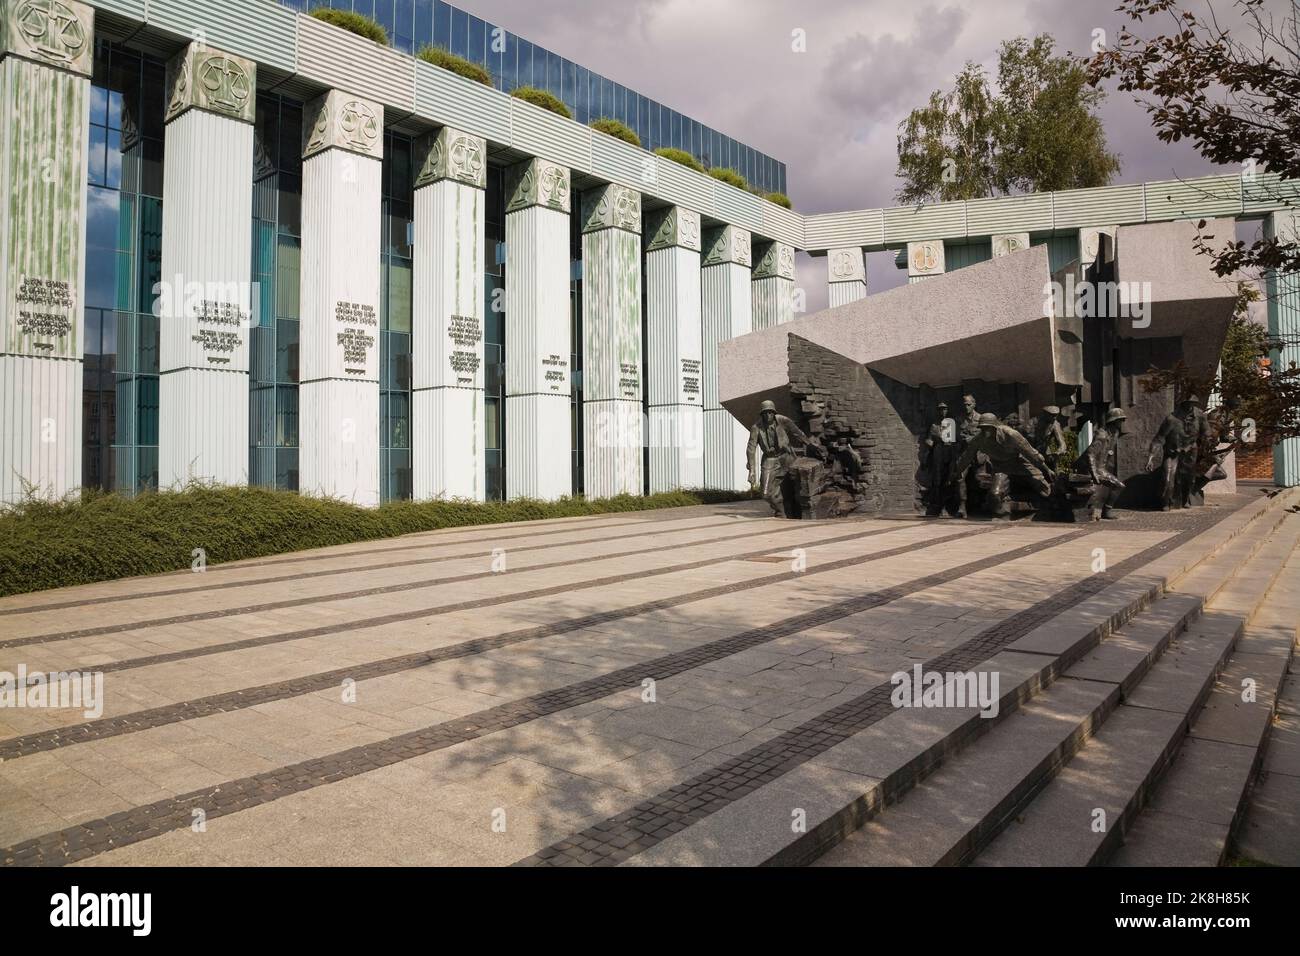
x=447, y=420
x=539, y=337
x=205, y=299
x=773, y=285
x=44, y=113
x=338, y=391
x=1284, y=323
x=1005, y=243
x=674, y=350
x=611, y=356
x=726, y=306
x=846, y=273
x=924, y=259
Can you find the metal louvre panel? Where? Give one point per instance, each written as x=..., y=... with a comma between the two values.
x=863, y=227
x=1032, y=213
x=34, y=391
x=1262, y=192
x=946, y=220
x=134, y=9
x=1105, y=206
x=737, y=207
x=619, y=162
x=462, y=104
x=340, y=60
x=546, y=134
x=784, y=225
x=680, y=185
x=1202, y=197
x=264, y=33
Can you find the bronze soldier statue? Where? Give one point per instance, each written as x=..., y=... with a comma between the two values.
x=1182, y=439
x=938, y=452
x=1094, y=463
x=777, y=436
x=969, y=426
x=1009, y=456
x=1049, y=438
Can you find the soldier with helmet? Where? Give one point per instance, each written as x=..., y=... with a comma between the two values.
x=1104, y=486
x=1010, y=458
x=777, y=437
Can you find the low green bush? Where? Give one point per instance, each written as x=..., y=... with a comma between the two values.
x=680, y=156
x=543, y=98
x=353, y=22
x=729, y=176
x=440, y=56
x=780, y=199
x=100, y=537
x=617, y=129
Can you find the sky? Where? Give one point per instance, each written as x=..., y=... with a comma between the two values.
x=830, y=112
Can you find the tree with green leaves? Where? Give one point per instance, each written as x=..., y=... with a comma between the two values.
x=1038, y=131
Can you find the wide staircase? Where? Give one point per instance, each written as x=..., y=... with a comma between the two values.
x=1141, y=747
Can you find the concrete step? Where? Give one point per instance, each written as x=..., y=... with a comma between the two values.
x=837, y=791
x=1199, y=804
x=1082, y=816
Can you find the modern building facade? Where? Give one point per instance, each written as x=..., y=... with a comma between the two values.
x=241, y=245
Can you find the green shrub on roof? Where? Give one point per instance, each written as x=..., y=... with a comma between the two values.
x=617, y=129
x=680, y=156
x=543, y=98
x=780, y=199
x=440, y=56
x=729, y=176
x=356, y=23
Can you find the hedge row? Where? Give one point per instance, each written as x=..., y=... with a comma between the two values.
x=100, y=537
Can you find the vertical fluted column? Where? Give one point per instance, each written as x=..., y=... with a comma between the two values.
x=539, y=338
x=924, y=259
x=205, y=299
x=447, y=415
x=773, y=280
x=338, y=393
x=674, y=344
x=611, y=323
x=726, y=311
x=846, y=275
x=44, y=111
x=1284, y=324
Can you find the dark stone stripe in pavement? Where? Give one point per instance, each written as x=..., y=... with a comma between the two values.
x=399, y=617
x=386, y=589
x=653, y=820
x=358, y=568
x=141, y=823
x=266, y=693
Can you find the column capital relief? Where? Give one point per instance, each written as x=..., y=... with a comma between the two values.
x=57, y=33
x=1006, y=243
x=727, y=244
x=339, y=120
x=611, y=207
x=673, y=226
x=538, y=182
x=846, y=265
x=1090, y=242
x=203, y=78
x=451, y=154
x=925, y=258
x=775, y=261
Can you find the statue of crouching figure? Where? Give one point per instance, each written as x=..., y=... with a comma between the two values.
x=776, y=437
x=1004, y=459
x=1092, y=473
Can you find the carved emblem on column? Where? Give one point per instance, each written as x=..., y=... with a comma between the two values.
x=673, y=226
x=925, y=258
x=776, y=261
x=537, y=182
x=57, y=32
x=846, y=265
x=727, y=244
x=1007, y=243
x=342, y=121
x=611, y=207
x=451, y=154
x=207, y=79
x=1090, y=242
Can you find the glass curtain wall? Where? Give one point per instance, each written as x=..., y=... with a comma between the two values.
x=395, y=319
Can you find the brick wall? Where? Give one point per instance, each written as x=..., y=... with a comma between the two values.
x=1255, y=464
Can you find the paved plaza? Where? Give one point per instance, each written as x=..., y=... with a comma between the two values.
x=592, y=690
